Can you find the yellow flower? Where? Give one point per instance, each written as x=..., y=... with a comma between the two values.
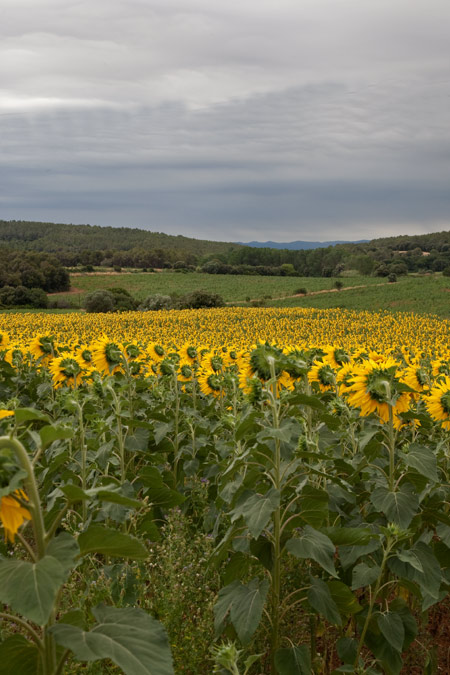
x=66, y=370
x=323, y=374
x=6, y=413
x=373, y=388
x=210, y=383
x=4, y=339
x=156, y=352
x=438, y=402
x=107, y=356
x=13, y=514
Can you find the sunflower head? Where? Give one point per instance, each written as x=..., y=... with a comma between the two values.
x=438, y=402
x=66, y=370
x=210, y=383
x=261, y=358
x=13, y=513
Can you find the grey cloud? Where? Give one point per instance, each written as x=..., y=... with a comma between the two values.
x=205, y=119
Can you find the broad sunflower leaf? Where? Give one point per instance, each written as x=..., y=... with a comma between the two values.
x=293, y=661
x=31, y=588
x=391, y=626
x=131, y=638
x=99, y=539
x=313, y=505
x=320, y=599
x=257, y=510
x=364, y=575
x=399, y=506
x=314, y=545
x=18, y=655
x=423, y=460
x=243, y=604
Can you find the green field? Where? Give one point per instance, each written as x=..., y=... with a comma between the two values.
x=423, y=295
x=231, y=287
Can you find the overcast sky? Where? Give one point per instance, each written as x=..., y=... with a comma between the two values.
x=230, y=120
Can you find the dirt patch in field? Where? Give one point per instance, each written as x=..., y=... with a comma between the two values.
x=72, y=291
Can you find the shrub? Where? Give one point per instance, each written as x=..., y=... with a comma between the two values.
x=100, y=301
x=446, y=272
x=123, y=300
x=301, y=291
x=338, y=284
x=156, y=302
x=198, y=299
x=392, y=278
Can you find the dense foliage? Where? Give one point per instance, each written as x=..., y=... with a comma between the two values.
x=132, y=247
x=31, y=271
x=299, y=487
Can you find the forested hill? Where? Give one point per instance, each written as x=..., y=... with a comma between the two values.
x=57, y=237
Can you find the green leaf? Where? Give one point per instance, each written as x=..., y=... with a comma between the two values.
x=315, y=545
x=391, y=627
x=107, y=493
x=131, y=638
x=14, y=484
x=257, y=510
x=398, y=506
x=157, y=491
x=293, y=661
x=30, y=415
x=310, y=401
x=99, y=539
x=74, y=617
x=320, y=599
x=411, y=558
x=31, y=588
x=443, y=532
x=364, y=575
x=243, y=604
x=314, y=505
x=423, y=460
x=347, y=649
x=51, y=433
x=65, y=549
x=18, y=655
x=346, y=602
x=349, y=536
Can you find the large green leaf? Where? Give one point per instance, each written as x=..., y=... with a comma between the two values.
x=18, y=655
x=31, y=588
x=315, y=545
x=243, y=604
x=349, y=536
x=107, y=493
x=314, y=505
x=423, y=459
x=293, y=661
x=99, y=539
x=345, y=601
x=399, y=506
x=65, y=549
x=51, y=433
x=157, y=491
x=131, y=638
x=391, y=627
x=257, y=510
x=320, y=599
x=364, y=575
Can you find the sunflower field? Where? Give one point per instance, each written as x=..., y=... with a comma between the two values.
x=233, y=491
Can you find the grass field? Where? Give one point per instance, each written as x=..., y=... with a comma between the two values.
x=230, y=287
x=423, y=295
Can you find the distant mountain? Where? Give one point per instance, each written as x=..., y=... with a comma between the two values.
x=298, y=245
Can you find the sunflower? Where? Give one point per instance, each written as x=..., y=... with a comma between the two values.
x=107, y=356
x=438, y=402
x=210, y=383
x=6, y=413
x=13, y=514
x=335, y=356
x=4, y=340
x=14, y=356
x=185, y=372
x=66, y=370
x=188, y=353
x=375, y=387
x=344, y=376
x=212, y=361
x=43, y=347
x=416, y=377
x=156, y=352
x=322, y=373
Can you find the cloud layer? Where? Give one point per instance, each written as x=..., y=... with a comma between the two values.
x=250, y=120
